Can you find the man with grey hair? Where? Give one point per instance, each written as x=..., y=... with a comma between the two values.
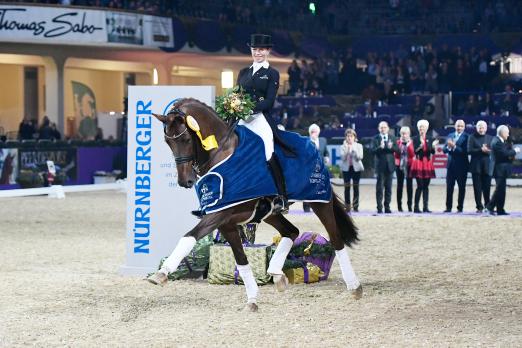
x=383, y=147
x=457, y=150
x=502, y=154
x=320, y=144
x=479, y=149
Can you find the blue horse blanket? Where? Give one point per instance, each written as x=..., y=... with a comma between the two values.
x=245, y=175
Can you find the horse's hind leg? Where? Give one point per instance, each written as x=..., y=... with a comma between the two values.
x=289, y=233
x=231, y=234
x=325, y=213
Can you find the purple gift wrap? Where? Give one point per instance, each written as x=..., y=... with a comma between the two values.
x=324, y=263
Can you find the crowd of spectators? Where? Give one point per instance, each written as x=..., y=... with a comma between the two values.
x=406, y=70
x=440, y=16
x=509, y=103
x=338, y=16
x=29, y=130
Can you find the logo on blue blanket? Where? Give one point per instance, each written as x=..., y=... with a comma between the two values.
x=209, y=189
x=318, y=177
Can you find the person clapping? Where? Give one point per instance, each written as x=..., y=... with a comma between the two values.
x=422, y=168
x=351, y=166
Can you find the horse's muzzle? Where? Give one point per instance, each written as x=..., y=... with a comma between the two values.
x=186, y=184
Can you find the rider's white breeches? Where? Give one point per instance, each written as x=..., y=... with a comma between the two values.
x=258, y=124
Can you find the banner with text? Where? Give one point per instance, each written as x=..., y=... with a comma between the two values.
x=76, y=26
x=158, y=210
x=125, y=28
x=35, y=160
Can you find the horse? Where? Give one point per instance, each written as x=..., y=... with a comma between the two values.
x=187, y=124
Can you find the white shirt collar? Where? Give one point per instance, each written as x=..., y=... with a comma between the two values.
x=502, y=140
x=256, y=66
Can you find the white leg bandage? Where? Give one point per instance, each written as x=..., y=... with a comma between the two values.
x=182, y=249
x=346, y=269
x=250, y=282
x=258, y=124
x=278, y=259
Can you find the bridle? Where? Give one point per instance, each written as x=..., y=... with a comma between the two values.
x=181, y=159
x=196, y=166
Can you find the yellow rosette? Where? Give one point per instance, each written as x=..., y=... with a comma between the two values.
x=209, y=142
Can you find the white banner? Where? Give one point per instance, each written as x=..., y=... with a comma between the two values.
x=157, y=31
x=123, y=27
x=158, y=210
x=51, y=24
x=65, y=25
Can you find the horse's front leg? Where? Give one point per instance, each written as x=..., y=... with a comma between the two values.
x=185, y=245
x=288, y=234
x=231, y=234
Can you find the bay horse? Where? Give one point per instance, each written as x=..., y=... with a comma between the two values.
x=193, y=161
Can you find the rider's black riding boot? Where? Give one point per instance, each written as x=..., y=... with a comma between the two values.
x=197, y=213
x=281, y=201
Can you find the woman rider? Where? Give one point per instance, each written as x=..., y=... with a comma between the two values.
x=261, y=82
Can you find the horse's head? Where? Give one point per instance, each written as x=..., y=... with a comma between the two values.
x=180, y=139
x=192, y=130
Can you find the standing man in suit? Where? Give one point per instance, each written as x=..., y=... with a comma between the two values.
x=479, y=149
x=458, y=164
x=502, y=154
x=383, y=147
x=320, y=144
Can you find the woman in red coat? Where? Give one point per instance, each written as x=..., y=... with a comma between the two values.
x=403, y=161
x=422, y=166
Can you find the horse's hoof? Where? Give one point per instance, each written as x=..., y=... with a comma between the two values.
x=357, y=293
x=281, y=282
x=158, y=278
x=251, y=307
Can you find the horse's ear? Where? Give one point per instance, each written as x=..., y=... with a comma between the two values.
x=161, y=118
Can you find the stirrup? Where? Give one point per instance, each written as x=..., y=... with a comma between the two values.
x=280, y=204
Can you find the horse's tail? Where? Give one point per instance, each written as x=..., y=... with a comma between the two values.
x=344, y=222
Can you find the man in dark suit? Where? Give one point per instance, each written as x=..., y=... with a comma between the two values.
x=458, y=164
x=502, y=154
x=479, y=149
x=320, y=143
x=383, y=147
